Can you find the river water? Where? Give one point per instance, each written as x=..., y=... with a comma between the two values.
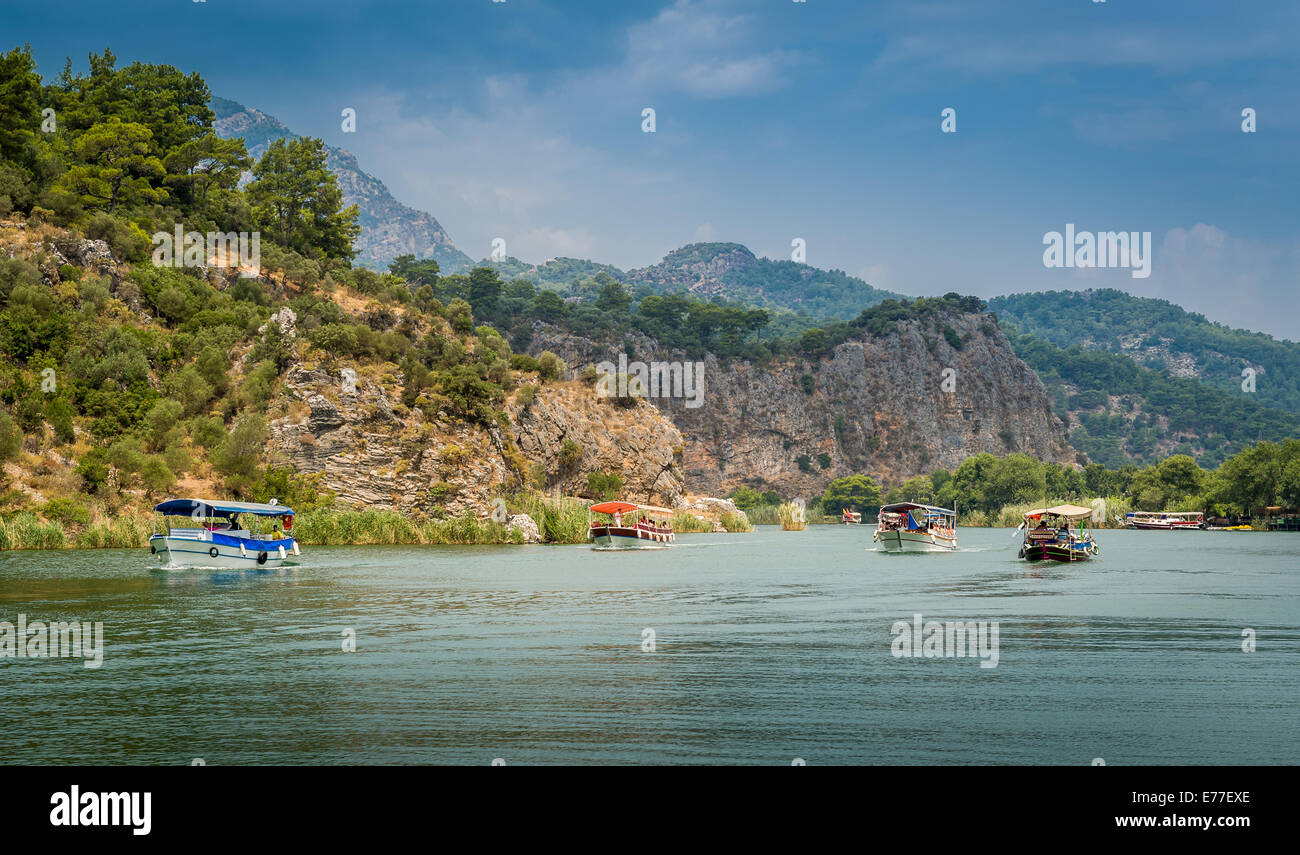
x=768, y=648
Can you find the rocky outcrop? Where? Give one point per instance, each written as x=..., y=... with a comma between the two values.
x=372, y=451
x=638, y=444
x=526, y=526
x=373, y=454
x=891, y=406
x=702, y=268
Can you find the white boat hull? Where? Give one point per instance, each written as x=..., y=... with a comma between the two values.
x=630, y=540
x=914, y=541
x=185, y=552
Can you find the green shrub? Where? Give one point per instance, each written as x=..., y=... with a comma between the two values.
x=66, y=511
x=11, y=438
x=127, y=243
x=58, y=412
x=570, y=454
x=550, y=366
x=207, y=431
x=604, y=485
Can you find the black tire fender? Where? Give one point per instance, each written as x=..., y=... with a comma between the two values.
x=213, y=552
x=261, y=558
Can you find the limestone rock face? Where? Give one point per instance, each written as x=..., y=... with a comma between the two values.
x=388, y=228
x=371, y=457
x=638, y=444
x=373, y=452
x=891, y=406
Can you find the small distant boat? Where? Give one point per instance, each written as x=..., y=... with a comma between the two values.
x=849, y=517
x=909, y=527
x=1058, y=534
x=1164, y=520
x=216, y=538
x=627, y=525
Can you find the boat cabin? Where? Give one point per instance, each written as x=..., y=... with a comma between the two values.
x=627, y=525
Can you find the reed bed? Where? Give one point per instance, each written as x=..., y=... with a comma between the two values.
x=1010, y=516
x=792, y=517
x=559, y=520
x=738, y=521
x=684, y=523
x=25, y=530
x=127, y=530
x=383, y=527
x=764, y=515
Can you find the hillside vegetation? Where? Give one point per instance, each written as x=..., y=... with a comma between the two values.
x=1162, y=336
x=126, y=378
x=1121, y=412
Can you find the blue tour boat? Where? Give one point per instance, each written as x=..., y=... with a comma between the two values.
x=218, y=537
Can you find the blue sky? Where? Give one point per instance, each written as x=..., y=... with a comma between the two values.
x=779, y=120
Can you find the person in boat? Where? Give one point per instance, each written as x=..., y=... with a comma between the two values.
x=618, y=519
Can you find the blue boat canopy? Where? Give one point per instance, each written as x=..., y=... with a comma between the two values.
x=216, y=508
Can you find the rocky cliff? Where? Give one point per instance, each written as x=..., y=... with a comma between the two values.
x=374, y=452
x=892, y=406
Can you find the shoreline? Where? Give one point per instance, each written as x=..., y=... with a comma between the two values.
x=530, y=520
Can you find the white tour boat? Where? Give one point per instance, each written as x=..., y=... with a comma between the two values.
x=1164, y=520
x=909, y=527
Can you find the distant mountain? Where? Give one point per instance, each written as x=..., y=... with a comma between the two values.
x=1161, y=335
x=732, y=271
x=555, y=274
x=388, y=228
x=727, y=270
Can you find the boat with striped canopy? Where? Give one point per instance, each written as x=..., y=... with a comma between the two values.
x=1059, y=533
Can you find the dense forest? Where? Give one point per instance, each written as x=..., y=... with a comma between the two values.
x=1157, y=333
x=1127, y=413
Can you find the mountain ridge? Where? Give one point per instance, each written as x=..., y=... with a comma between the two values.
x=388, y=227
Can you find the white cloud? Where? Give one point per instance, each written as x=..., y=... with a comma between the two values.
x=698, y=47
x=1239, y=282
